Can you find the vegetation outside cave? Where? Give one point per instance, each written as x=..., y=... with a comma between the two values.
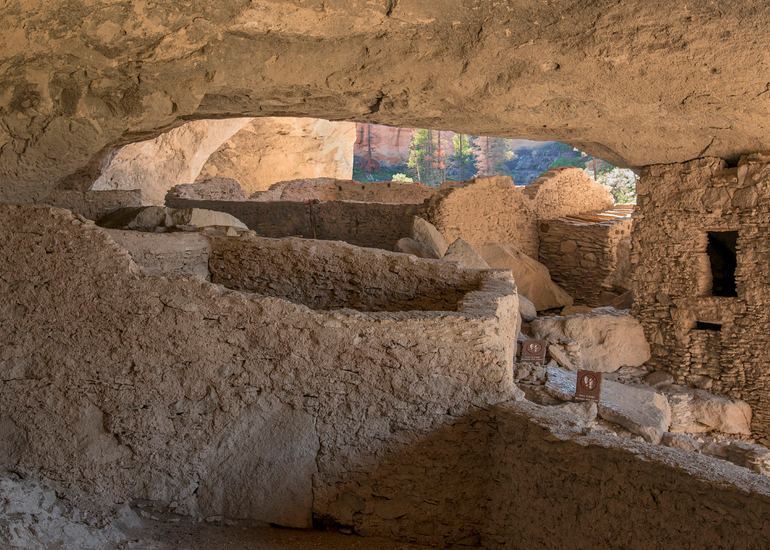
x=433, y=156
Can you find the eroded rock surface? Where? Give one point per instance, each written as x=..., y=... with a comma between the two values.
x=689, y=80
x=640, y=410
x=532, y=277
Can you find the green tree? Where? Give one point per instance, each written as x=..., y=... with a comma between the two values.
x=492, y=153
x=424, y=157
x=462, y=161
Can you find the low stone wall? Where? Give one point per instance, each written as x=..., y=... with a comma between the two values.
x=217, y=402
x=375, y=225
x=330, y=189
x=333, y=275
x=588, y=255
x=92, y=204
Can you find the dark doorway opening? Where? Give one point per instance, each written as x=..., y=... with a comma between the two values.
x=722, y=257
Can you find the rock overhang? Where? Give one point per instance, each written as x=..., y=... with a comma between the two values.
x=638, y=83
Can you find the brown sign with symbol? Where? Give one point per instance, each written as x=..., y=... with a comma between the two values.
x=533, y=351
x=589, y=385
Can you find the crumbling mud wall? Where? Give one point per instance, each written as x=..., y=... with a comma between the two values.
x=218, y=402
x=337, y=275
x=566, y=191
x=229, y=404
x=701, y=331
x=330, y=189
x=485, y=210
x=589, y=254
x=375, y=225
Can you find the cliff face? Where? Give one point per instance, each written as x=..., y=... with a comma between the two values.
x=637, y=82
x=269, y=150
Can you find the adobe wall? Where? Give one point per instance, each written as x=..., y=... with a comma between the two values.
x=330, y=189
x=171, y=389
x=677, y=206
x=566, y=191
x=334, y=275
x=375, y=225
x=588, y=255
x=485, y=210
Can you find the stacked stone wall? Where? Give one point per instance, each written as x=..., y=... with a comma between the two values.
x=589, y=259
x=678, y=205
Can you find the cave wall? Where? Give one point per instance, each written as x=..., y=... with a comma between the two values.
x=638, y=82
x=672, y=276
x=273, y=149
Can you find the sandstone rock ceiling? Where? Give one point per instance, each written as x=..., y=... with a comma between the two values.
x=637, y=81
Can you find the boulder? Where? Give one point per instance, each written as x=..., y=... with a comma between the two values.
x=532, y=278
x=161, y=218
x=410, y=246
x=209, y=189
x=572, y=310
x=698, y=411
x=527, y=309
x=431, y=238
x=464, y=255
x=608, y=339
x=640, y=410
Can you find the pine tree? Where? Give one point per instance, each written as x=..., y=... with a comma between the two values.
x=423, y=157
x=462, y=161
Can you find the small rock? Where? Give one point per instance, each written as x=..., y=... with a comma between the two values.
x=753, y=456
x=681, y=441
x=659, y=379
x=562, y=358
x=527, y=309
x=572, y=310
x=464, y=255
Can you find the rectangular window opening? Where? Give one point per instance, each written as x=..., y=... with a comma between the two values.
x=721, y=250
x=714, y=327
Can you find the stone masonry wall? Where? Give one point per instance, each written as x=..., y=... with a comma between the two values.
x=333, y=275
x=375, y=225
x=117, y=386
x=587, y=257
x=566, y=191
x=672, y=277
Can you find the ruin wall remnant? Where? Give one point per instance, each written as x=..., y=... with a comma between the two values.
x=704, y=331
x=207, y=399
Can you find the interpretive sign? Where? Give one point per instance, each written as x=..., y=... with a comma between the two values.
x=533, y=351
x=589, y=385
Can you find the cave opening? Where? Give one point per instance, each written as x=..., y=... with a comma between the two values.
x=721, y=250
